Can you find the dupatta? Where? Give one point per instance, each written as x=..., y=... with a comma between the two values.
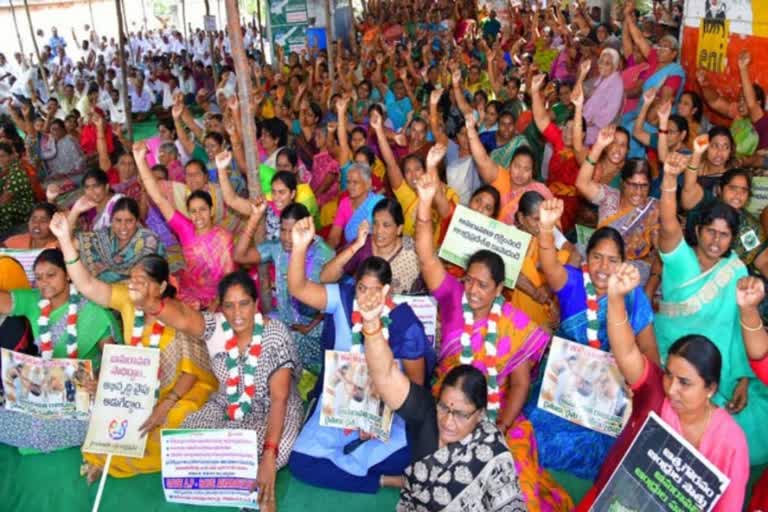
x=105, y=259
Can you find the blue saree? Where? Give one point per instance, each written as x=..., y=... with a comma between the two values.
x=566, y=446
x=363, y=212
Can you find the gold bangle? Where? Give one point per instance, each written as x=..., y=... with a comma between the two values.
x=671, y=189
x=374, y=333
x=751, y=329
x=691, y=168
x=626, y=319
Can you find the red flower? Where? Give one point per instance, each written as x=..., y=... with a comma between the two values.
x=233, y=381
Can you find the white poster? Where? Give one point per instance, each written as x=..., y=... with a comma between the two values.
x=425, y=309
x=211, y=467
x=124, y=400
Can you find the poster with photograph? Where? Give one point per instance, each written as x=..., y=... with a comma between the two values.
x=124, y=400
x=211, y=467
x=583, y=385
x=51, y=389
x=662, y=472
x=348, y=397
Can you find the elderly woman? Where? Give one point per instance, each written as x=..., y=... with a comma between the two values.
x=111, y=252
x=386, y=241
x=681, y=393
x=604, y=104
x=274, y=408
x=185, y=380
x=630, y=210
x=354, y=207
x=459, y=460
x=328, y=456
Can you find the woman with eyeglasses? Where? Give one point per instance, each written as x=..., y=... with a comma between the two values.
x=479, y=326
x=629, y=209
x=698, y=283
x=332, y=457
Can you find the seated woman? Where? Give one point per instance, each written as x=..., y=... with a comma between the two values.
x=630, y=210
x=305, y=323
x=185, y=379
x=355, y=206
x=604, y=104
x=49, y=309
x=459, y=460
x=387, y=242
x=288, y=161
x=14, y=330
x=531, y=293
x=266, y=352
x=94, y=208
x=698, y=283
x=111, y=252
x=713, y=154
x=566, y=446
x=207, y=248
x=17, y=195
x=681, y=394
x=332, y=457
x=478, y=326
x=38, y=236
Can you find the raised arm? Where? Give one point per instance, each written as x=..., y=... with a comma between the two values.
x=577, y=98
x=150, y=183
x=638, y=38
x=750, y=292
x=231, y=199
x=586, y=186
x=540, y=115
x=486, y=167
x=93, y=289
x=670, y=232
x=334, y=269
x=436, y=154
x=638, y=130
x=301, y=288
x=693, y=193
x=245, y=253
x=105, y=164
x=177, y=112
x=435, y=123
x=664, y=111
x=178, y=315
x=394, y=173
x=712, y=98
x=458, y=92
x=431, y=267
x=345, y=153
x=625, y=350
x=554, y=272
x=756, y=111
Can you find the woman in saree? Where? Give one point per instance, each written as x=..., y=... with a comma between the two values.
x=459, y=459
x=274, y=408
x=352, y=148
x=512, y=181
x=16, y=196
x=629, y=209
x=355, y=206
x=566, y=446
x=698, y=284
x=207, y=248
x=49, y=309
x=305, y=323
x=604, y=104
x=531, y=293
x=681, y=394
x=385, y=241
x=38, y=235
x=713, y=155
x=185, y=378
x=110, y=253
x=92, y=210
x=354, y=460
x=479, y=326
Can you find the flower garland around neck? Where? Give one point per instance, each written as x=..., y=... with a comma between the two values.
x=357, y=323
x=239, y=404
x=137, y=333
x=593, y=324
x=467, y=356
x=44, y=325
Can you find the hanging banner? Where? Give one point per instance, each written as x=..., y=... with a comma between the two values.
x=288, y=20
x=470, y=231
x=50, y=389
x=124, y=400
x=211, y=467
x=661, y=471
x=583, y=385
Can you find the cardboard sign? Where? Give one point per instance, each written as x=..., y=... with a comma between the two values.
x=211, y=467
x=425, y=309
x=583, y=385
x=348, y=398
x=661, y=471
x=712, y=53
x=51, y=389
x=124, y=400
x=470, y=231
x=758, y=198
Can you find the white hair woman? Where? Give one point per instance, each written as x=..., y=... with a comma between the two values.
x=604, y=104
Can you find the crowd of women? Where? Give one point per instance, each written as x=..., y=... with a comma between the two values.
x=550, y=122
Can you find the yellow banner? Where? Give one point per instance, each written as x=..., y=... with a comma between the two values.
x=713, y=45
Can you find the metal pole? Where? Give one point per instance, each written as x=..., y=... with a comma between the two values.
x=124, y=72
x=90, y=11
x=125, y=19
x=16, y=27
x=34, y=43
x=210, y=42
x=144, y=15
x=184, y=18
x=261, y=29
x=329, y=41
